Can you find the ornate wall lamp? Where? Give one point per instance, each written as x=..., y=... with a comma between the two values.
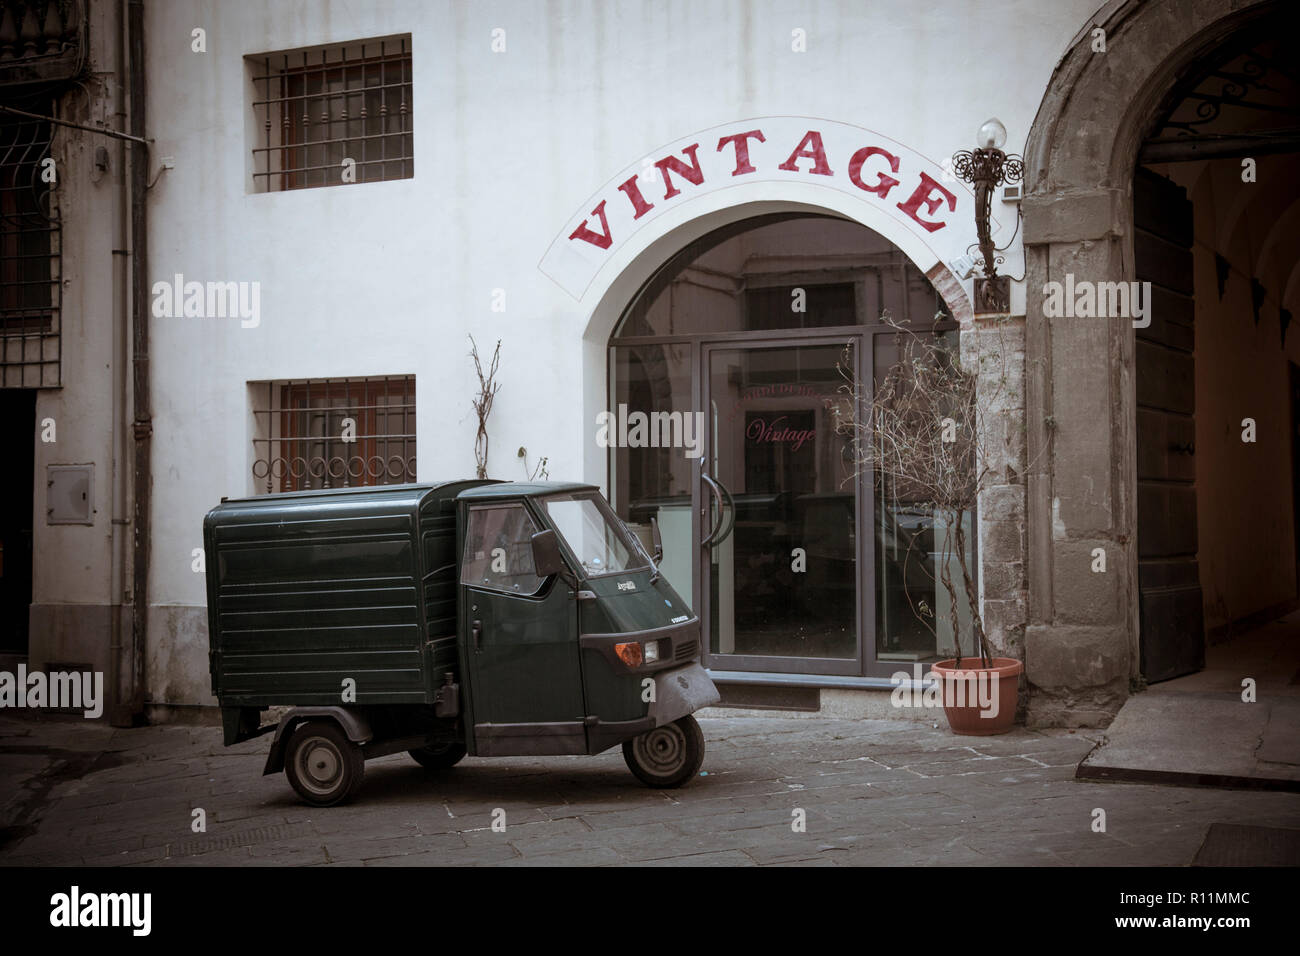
x=987, y=167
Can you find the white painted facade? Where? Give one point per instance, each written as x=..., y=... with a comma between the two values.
x=512, y=149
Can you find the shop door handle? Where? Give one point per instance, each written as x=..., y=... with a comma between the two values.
x=476, y=632
x=725, y=522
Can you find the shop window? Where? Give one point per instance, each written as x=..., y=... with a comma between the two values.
x=917, y=619
x=333, y=433
x=800, y=307
x=499, y=550
x=332, y=116
x=782, y=272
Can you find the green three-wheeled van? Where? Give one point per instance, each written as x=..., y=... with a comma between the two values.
x=468, y=617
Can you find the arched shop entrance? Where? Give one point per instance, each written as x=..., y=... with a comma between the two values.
x=725, y=375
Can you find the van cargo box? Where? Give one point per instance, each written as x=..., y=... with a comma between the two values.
x=309, y=589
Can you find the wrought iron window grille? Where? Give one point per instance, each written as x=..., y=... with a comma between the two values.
x=333, y=433
x=334, y=115
x=30, y=256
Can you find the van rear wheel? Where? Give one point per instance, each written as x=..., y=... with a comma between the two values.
x=440, y=757
x=322, y=765
x=667, y=756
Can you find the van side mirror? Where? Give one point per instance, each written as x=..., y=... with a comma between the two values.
x=657, y=540
x=547, y=559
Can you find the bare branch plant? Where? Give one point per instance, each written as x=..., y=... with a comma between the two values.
x=936, y=433
x=537, y=471
x=487, y=390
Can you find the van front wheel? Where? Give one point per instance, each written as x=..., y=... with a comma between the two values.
x=667, y=756
x=322, y=764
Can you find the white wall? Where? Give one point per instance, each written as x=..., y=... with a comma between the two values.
x=388, y=278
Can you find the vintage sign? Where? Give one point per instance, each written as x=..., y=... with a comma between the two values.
x=891, y=178
x=760, y=430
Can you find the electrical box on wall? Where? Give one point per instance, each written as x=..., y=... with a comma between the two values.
x=68, y=494
x=1013, y=192
x=964, y=266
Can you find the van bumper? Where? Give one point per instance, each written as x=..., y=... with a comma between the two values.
x=681, y=691
x=678, y=692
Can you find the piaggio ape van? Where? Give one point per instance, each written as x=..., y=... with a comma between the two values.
x=466, y=617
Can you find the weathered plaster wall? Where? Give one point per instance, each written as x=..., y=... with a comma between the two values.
x=72, y=593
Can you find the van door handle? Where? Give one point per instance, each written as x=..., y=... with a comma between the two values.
x=476, y=630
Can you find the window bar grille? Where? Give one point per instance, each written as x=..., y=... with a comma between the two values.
x=364, y=112
x=383, y=109
x=330, y=110
x=299, y=442
x=31, y=288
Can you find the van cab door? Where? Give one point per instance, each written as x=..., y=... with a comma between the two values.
x=520, y=635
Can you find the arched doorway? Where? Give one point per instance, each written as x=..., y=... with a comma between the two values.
x=1097, y=383
x=725, y=369
x=1217, y=234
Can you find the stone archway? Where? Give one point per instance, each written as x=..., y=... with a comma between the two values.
x=1081, y=640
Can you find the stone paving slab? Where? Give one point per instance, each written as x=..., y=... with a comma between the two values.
x=774, y=792
x=1201, y=738
x=1281, y=740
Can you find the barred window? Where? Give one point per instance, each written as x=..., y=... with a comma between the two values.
x=329, y=116
x=30, y=287
x=333, y=433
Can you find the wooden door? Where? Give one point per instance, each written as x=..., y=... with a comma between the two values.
x=1172, y=641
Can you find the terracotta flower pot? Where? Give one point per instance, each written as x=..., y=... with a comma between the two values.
x=979, y=701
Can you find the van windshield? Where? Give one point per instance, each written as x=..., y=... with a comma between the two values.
x=594, y=533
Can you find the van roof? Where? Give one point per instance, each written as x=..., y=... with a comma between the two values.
x=519, y=489
x=384, y=498
x=412, y=490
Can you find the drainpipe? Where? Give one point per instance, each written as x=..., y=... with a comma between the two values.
x=143, y=424
x=121, y=687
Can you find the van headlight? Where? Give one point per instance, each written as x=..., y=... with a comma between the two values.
x=651, y=651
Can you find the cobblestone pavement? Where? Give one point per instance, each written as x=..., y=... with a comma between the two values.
x=872, y=792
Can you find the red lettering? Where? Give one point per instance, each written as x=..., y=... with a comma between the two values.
x=693, y=172
x=741, y=143
x=810, y=147
x=595, y=238
x=633, y=192
x=924, y=197
x=883, y=183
